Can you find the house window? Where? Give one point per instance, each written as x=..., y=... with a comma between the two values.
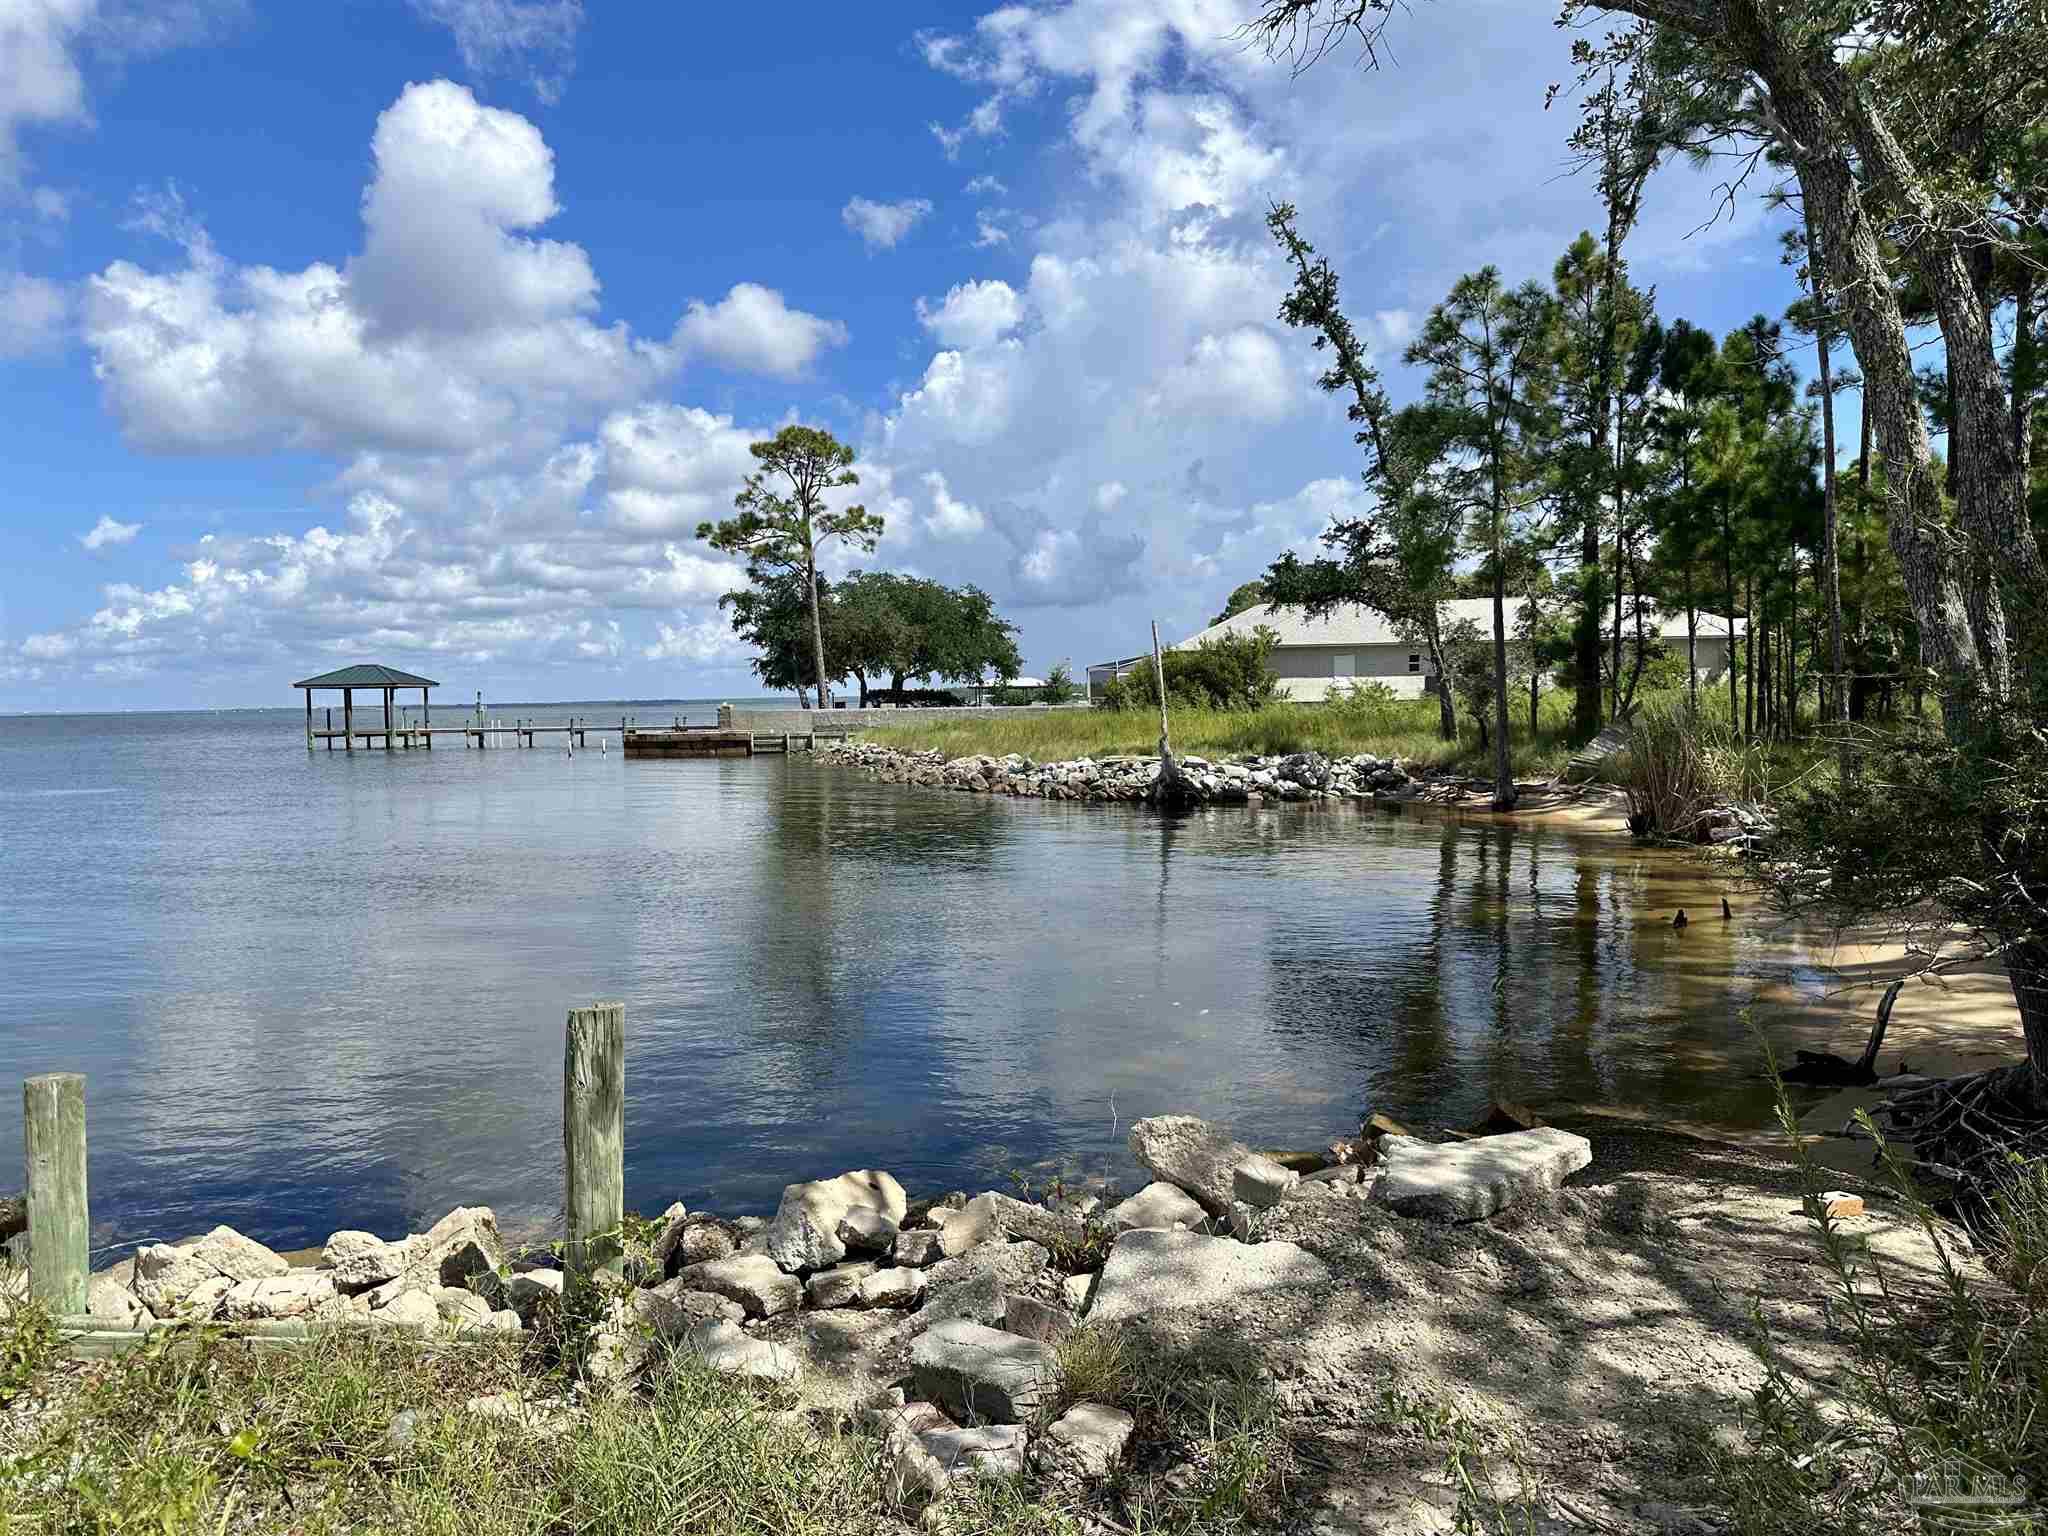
x=1415, y=661
x=1344, y=666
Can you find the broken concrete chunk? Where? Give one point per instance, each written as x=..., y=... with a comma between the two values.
x=1084, y=1444
x=751, y=1279
x=901, y=1288
x=838, y=1286
x=1152, y=1271
x=982, y=1375
x=989, y=1450
x=1259, y=1182
x=917, y=1249
x=730, y=1352
x=1157, y=1205
x=358, y=1261
x=864, y=1229
x=1190, y=1153
x=1471, y=1180
x=227, y=1252
x=277, y=1296
x=804, y=1233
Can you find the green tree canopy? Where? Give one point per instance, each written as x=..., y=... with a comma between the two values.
x=786, y=518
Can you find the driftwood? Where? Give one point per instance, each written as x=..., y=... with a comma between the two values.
x=1826, y=1069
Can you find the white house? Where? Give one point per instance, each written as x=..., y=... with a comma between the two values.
x=1354, y=643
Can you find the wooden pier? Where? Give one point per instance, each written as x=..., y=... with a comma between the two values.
x=725, y=738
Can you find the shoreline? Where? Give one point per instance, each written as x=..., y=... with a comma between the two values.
x=1626, y=1258
x=1251, y=781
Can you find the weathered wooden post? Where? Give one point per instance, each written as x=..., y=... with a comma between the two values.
x=594, y=1137
x=53, y=1112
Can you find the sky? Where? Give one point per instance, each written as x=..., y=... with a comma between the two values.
x=427, y=331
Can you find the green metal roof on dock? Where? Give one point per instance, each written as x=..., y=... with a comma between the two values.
x=367, y=675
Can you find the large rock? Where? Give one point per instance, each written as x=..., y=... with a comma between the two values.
x=730, y=1352
x=360, y=1261
x=1470, y=1180
x=983, y=1375
x=700, y=1306
x=461, y=1244
x=996, y=1215
x=1259, y=1182
x=804, y=1233
x=1158, y=1204
x=229, y=1253
x=838, y=1286
x=1084, y=1444
x=975, y=1285
x=916, y=1249
x=901, y=1288
x=1192, y=1154
x=751, y=1279
x=700, y=1241
x=1152, y=1271
x=988, y=1450
x=110, y=1302
x=297, y=1294
x=167, y=1278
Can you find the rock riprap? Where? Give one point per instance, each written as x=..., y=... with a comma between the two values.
x=1471, y=1180
x=1249, y=780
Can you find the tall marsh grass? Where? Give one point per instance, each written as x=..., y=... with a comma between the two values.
x=1680, y=763
x=1403, y=728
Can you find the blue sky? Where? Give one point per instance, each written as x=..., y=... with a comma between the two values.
x=425, y=331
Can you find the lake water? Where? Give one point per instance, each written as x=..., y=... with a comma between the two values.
x=324, y=990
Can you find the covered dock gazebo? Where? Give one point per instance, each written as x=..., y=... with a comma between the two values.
x=366, y=675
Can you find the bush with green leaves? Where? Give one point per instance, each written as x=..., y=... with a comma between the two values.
x=1227, y=672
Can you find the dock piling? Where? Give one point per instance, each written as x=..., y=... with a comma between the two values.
x=53, y=1114
x=594, y=1138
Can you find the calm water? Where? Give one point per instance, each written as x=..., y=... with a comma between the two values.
x=314, y=991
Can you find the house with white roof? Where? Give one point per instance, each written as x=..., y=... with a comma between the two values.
x=1354, y=644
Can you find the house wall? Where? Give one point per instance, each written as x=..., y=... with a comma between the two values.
x=1310, y=671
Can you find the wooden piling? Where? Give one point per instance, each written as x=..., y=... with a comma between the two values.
x=53, y=1112
x=594, y=1137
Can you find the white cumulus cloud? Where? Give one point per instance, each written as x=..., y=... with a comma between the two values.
x=972, y=314
x=106, y=531
x=753, y=330
x=882, y=225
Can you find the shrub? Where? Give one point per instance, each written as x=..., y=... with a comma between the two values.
x=1679, y=764
x=927, y=698
x=1223, y=672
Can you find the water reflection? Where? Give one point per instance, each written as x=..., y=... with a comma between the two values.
x=328, y=991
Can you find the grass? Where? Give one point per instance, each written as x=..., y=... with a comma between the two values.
x=1406, y=729
x=204, y=1434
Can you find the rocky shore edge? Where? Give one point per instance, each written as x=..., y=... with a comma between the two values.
x=981, y=1289
x=1597, y=1319
x=1238, y=781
